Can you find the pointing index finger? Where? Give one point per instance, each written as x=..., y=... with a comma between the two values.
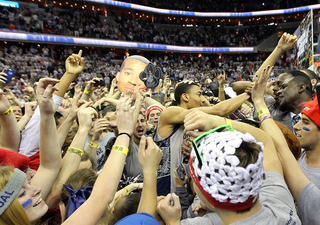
x=80, y=53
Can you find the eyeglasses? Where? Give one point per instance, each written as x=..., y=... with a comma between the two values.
x=197, y=142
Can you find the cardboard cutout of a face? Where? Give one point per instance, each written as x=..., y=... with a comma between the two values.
x=128, y=77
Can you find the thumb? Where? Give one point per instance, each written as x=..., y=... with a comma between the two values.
x=142, y=145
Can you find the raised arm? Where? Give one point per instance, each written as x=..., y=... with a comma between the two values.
x=74, y=66
x=50, y=153
x=150, y=156
x=29, y=109
x=9, y=129
x=71, y=160
x=106, y=185
x=294, y=176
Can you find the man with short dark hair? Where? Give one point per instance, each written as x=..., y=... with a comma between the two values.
x=294, y=88
x=170, y=132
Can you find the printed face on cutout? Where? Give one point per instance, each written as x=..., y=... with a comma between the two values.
x=128, y=78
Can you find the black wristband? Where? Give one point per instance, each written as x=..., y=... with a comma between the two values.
x=125, y=134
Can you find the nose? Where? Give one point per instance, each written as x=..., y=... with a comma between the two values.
x=297, y=125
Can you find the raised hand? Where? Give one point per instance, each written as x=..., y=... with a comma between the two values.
x=9, y=94
x=29, y=108
x=99, y=126
x=169, y=209
x=75, y=64
x=3, y=78
x=85, y=117
x=4, y=103
x=45, y=101
x=287, y=41
x=43, y=84
x=222, y=78
x=125, y=116
x=261, y=85
x=150, y=154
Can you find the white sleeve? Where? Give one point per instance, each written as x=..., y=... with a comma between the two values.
x=30, y=137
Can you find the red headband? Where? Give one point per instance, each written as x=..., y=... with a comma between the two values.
x=220, y=205
x=311, y=110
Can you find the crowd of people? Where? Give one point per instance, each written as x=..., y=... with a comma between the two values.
x=149, y=146
x=83, y=23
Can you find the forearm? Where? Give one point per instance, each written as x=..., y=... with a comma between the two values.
x=148, y=201
x=64, y=129
x=293, y=174
x=16, y=100
x=86, y=95
x=221, y=94
x=136, y=111
x=93, y=97
x=23, y=122
x=9, y=133
x=149, y=101
x=110, y=94
x=270, y=61
x=64, y=84
x=50, y=151
x=226, y=107
x=70, y=164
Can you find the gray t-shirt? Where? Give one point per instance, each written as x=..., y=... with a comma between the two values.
x=132, y=166
x=101, y=150
x=309, y=205
x=277, y=206
x=313, y=174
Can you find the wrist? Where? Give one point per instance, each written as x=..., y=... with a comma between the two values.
x=83, y=129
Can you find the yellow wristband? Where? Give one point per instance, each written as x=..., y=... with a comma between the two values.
x=6, y=113
x=75, y=150
x=262, y=112
x=119, y=148
x=228, y=122
x=87, y=92
x=93, y=145
x=221, y=89
x=127, y=190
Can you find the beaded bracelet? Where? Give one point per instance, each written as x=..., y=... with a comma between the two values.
x=119, y=148
x=6, y=113
x=265, y=117
x=75, y=150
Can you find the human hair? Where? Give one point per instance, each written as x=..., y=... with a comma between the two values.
x=127, y=206
x=291, y=139
x=302, y=78
x=79, y=179
x=14, y=214
x=108, y=108
x=85, y=157
x=181, y=89
x=247, y=153
x=312, y=75
x=137, y=57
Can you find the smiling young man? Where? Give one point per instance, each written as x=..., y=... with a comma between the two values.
x=294, y=88
x=128, y=77
x=308, y=134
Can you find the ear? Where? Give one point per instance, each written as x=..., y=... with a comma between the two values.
x=314, y=82
x=185, y=97
x=302, y=88
x=118, y=76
